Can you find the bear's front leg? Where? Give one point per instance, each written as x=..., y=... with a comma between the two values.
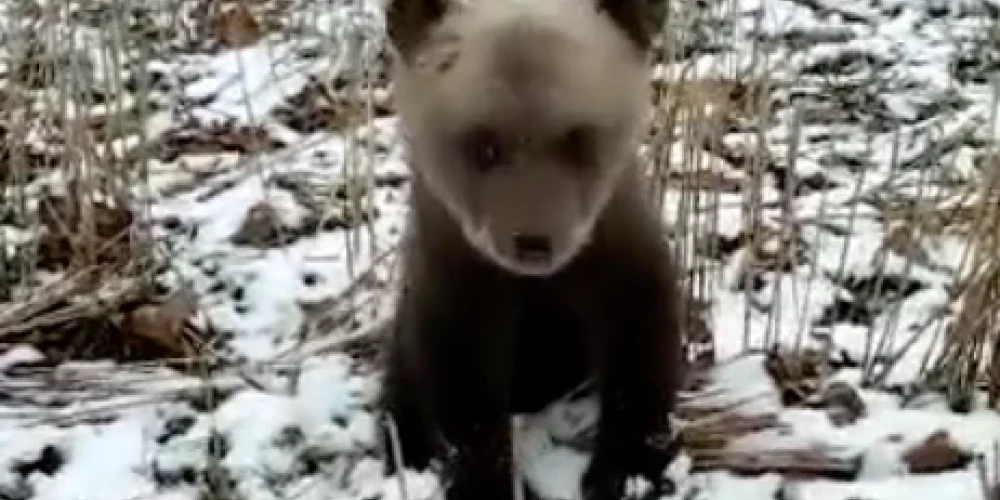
x=471, y=403
x=462, y=393
x=413, y=444
x=451, y=379
x=638, y=381
x=481, y=467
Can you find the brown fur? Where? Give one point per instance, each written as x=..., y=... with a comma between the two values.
x=494, y=96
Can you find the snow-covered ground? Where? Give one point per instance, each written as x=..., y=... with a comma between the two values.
x=874, y=104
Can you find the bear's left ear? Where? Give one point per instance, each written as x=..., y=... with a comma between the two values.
x=409, y=21
x=639, y=19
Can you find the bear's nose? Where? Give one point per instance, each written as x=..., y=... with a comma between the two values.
x=532, y=248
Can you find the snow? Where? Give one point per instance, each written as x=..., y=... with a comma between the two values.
x=99, y=459
x=885, y=118
x=19, y=355
x=958, y=485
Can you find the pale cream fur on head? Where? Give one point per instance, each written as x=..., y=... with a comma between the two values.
x=529, y=70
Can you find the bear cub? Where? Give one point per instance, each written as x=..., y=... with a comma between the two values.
x=533, y=261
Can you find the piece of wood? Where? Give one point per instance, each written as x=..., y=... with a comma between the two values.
x=802, y=463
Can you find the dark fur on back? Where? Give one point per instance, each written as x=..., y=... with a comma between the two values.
x=476, y=339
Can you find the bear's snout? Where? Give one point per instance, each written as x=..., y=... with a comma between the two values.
x=532, y=249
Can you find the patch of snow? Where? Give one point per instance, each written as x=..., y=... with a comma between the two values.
x=19, y=355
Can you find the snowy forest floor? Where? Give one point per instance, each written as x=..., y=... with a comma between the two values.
x=199, y=202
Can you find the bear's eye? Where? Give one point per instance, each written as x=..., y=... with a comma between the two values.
x=578, y=146
x=482, y=148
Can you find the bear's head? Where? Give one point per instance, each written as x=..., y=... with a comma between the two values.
x=521, y=115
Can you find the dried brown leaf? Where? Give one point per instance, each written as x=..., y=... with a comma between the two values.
x=937, y=453
x=162, y=324
x=83, y=231
x=262, y=228
x=843, y=404
x=795, y=373
x=237, y=27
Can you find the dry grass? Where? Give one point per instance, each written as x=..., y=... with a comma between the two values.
x=971, y=358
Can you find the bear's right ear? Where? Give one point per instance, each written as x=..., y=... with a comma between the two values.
x=640, y=20
x=409, y=21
